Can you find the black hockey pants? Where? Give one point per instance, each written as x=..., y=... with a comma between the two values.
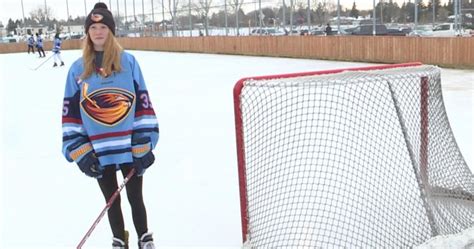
x=108, y=185
x=41, y=50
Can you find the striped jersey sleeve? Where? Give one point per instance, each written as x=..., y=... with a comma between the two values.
x=73, y=132
x=145, y=123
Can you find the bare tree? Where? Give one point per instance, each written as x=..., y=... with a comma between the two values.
x=323, y=10
x=163, y=23
x=173, y=10
x=235, y=5
x=41, y=14
x=202, y=9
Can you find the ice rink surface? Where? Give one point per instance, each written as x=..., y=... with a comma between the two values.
x=191, y=192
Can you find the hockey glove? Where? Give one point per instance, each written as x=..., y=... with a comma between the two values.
x=89, y=165
x=142, y=155
x=83, y=154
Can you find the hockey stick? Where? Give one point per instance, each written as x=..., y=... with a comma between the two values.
x=106, y=208
x=42, y=63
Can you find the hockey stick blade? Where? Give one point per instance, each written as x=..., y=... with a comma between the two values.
x=42, y=63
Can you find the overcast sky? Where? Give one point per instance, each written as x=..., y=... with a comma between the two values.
x=13, y=9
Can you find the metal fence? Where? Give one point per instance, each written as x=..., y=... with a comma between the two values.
x=228, y=17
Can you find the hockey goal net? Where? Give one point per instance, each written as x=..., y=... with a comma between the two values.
x=360, y=157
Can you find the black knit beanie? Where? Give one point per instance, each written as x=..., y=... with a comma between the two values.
x=100, y=14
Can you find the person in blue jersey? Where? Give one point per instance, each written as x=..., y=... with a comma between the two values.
x=31, y=42
x=39, y=45
x=57, y=51
x=108, y=122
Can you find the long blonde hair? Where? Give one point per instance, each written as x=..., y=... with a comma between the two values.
x=110, y=61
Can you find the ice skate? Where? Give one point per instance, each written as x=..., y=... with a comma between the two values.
x=146, y=241
x=120, y=244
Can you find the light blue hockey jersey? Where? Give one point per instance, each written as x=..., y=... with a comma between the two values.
x=106, y=112
x=39, y=41
x=57, y=45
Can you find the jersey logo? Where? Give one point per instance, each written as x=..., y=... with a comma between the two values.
x=108, y=106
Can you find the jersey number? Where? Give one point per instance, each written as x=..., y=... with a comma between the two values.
x=145, y=101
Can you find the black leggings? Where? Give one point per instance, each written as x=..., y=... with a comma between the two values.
x=108, y=185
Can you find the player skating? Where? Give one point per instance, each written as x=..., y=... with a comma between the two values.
x=31, y=44
x=109, y=123
x=57, y=51
x=39, y=45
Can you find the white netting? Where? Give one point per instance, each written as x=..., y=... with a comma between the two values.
x=351, y=159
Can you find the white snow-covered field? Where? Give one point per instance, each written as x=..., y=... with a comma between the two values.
x=191, y=192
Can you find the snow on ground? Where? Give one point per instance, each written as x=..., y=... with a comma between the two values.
x=464, y=239
x=191, y=192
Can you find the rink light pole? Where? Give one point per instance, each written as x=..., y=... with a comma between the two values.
x=225, y=18
x=260, y=15
x=125, y=16
x=416, y=14
x=143, y=19
x=374, y=22
x=291, y=17
x=23, y=12
x=85, y=8
x=67, y=20
x=118, y=16
x=338, y=17
x=308, y=16
x=152, y=19
x=284, y=15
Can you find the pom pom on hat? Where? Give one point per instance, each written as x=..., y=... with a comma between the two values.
x=100, y=5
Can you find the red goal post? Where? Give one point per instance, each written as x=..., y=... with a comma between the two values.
x=285, y=181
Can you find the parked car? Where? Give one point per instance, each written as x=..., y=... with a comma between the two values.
x=267, y=31
x=347, y=31
x=367, y=29
x=317, y=31
x=398, y=31
x=422, y=30
x=291, y=32
x=448, y=29
x=9, y=39
x=304, y=32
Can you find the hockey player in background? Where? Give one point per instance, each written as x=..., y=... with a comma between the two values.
x=57, y=50
x=39, y=45
x=31, y=43
x=109, y=123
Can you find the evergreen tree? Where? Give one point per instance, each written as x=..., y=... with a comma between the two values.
x=354, y=11
x=11, y=26
x=322, y=13
x=437, y=6
x=410, y=12
x=392, y=12
x=450, y=7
